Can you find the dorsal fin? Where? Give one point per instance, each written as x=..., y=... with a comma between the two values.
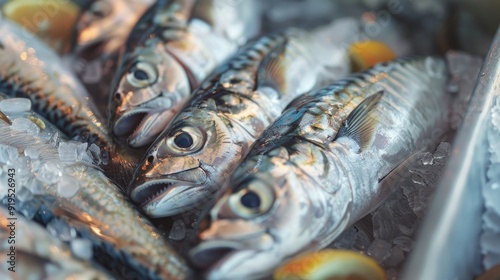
x=271, y=71
x=361, y=122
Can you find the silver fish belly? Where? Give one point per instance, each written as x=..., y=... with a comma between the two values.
x=324, y=164
x=75, y=193
x=174, y=46
x=193, y=156
x=30, y=69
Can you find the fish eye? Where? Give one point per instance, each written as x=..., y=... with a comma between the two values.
x=183, y=140
x=186, y=140
x=255, y=199
x=142, y=74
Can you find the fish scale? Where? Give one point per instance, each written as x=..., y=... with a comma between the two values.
x=235, y=104
x=303, y=182
x=32, y=70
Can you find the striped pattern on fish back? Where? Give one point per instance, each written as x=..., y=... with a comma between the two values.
x=316, y=117
x=239, y=74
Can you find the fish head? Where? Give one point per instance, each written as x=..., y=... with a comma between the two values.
x=96, y=34
x=263, y=218
x=149, y=92
x=180, y=170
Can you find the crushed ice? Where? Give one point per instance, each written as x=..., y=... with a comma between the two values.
x=387, y=234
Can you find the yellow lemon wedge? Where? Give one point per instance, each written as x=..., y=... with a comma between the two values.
x=52, y=21
x=366, y=54
x=331, y=265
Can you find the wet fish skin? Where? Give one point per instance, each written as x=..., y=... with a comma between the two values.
x=96, y=33
x=98, y=211
x=174, y=46
x=36, y=249
x=189, y=161
x=310, y=175
x=30, y=69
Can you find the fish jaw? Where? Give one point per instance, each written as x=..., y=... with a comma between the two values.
x=232, y=249
x=162, y=195
x=140, y=126
x=167, y=197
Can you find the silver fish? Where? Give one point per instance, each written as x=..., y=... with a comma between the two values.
x=96, y=32
x=323, y=165
x=100, y=34
x=37, y=254
x=29, y=69
x=187, y=164
x=73, y=192
x=171, y=50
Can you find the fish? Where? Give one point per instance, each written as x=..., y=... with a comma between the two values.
x=329, y=160
x=191, y=158
x=53, y=186
x=37, y=254
x=32, y=70
x=171, y=50
x=97, y=43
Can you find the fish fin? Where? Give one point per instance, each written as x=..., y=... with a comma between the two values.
x=361, y=122
x=4, y=118
x=271, y=71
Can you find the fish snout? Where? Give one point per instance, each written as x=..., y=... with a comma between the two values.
x=206, y=255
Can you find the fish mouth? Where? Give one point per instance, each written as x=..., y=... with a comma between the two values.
x=129, y=122
x=141, y=127
x=212, y=254
x=166, y=197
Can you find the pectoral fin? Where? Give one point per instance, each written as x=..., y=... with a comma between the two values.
x=361, y=122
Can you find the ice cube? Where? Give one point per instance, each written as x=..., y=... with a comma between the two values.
x=380, y=250
x=35, y=186
x=24, y=194
x=60, y=229
x=493, y=172
x=29, y=208
x=442, y=151
x=68, y=186
x=68, y=151
x=15, y=105
x=346, y=240
x=396, y=257
x=362, y=241
x=491, y=220
x=95, y=153
x=24, y=124
x=490, y=242
x=31, y=153
x=8, y=154
x=23, y=167
x=51, y=269
x=491, y=259
x=178, y=231
x=81, y=248
x=403, y=242
x=50, y=173
x=491, y=193
x=392, y=274
x=55, y=139
x=427, y=159
x=383, y=224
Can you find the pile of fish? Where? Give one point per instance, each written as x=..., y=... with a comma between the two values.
x=178, y=139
